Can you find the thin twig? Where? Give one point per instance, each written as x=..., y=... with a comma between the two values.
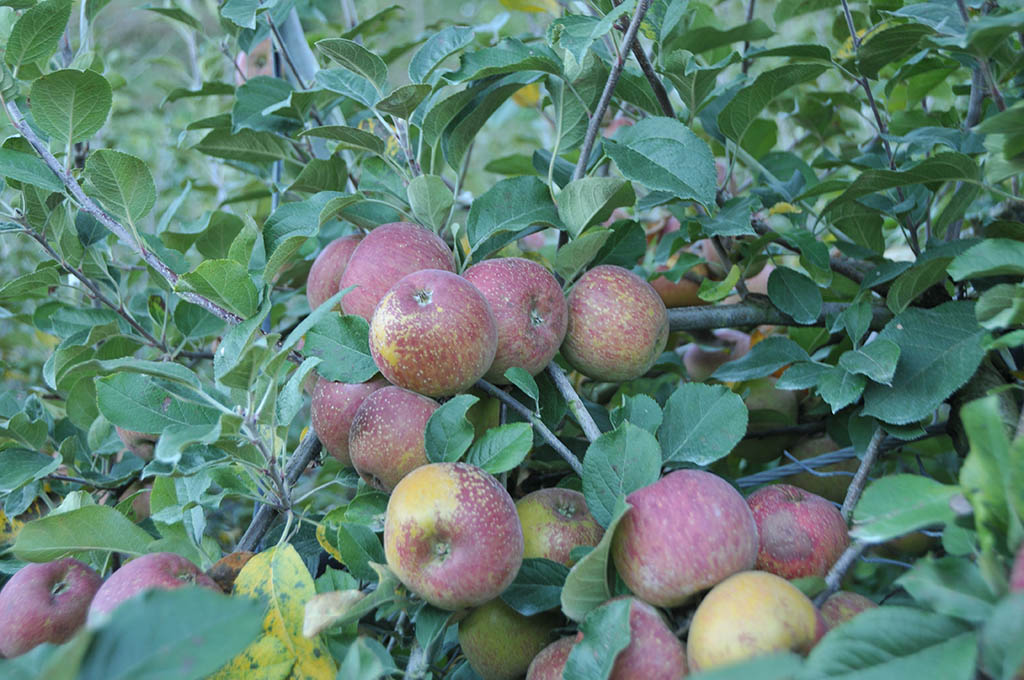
x=609, y=88
x=861, y=477
x=746, y=43
x=835, y=575
x=283, y=49
x=542, y=429
x=576, y=406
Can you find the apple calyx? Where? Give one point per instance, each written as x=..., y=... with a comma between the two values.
x=422, y=297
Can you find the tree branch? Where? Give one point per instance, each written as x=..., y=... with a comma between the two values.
x=660, y=93
x=835, y=575
x=576, y=406
x=754, y=312
x=856, y=487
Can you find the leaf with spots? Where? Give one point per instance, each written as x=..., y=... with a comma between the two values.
x=279, y=579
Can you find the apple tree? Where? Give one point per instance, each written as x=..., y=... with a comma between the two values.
x=586, y=339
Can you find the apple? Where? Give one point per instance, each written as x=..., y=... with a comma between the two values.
x=554, y=522
x=683, y=293
x=550, y=662
x=842, y=606
x=833, y=480
x=750, y=614
x=45, y=602
x=433, y=333
x=618, y=325
x=683, y=534
x=452, y=536
x=333, y=407
x=139, y=493
x=139, y=443
x=384, y=256
x=327, y=269
x=701, y=361
x=758, y=283
x=163, y=570
x=500, y=643
x=258, y=62
x=386, y=439
x=801, y=534
x=529, y=309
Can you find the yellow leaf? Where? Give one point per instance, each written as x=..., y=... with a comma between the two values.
x=549, y=6
x=527, y=96
x=321, y=538
x=783, y=208
x=9, y=528
x=278, y=578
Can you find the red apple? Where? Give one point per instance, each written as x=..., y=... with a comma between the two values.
x=327, y=269
x=139, y=443
x=384, y=256
x=618, y=325
x=554, y=522
x=701, y=361
x=333, y=407
x=550, y=662
x=386, y=438
x=433, y=333
x=165, y=571
x=530, y=311
x=842, y=606
x=500, y=643
x=452, y=536
x=45, y=602
x=801, y=534
x=682, y=293
x=684, y=533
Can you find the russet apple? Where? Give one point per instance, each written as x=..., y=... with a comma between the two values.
x=801, y=534
x=384, y=256
x=529, y=309
x=333, y=407
x=165, y=571
x=683, y=534
x=618, y=325
x=452, y=536
x=500, y=643
x=554, y=522
x=45, y=602
x=386, y=440
x=750, y=614
x=327, y=269
x=842, y=606
x=433, y=333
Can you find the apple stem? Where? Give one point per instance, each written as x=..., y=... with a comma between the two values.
x=579, y=410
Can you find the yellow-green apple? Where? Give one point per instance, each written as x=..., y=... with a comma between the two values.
x=45, y=602
x=452, y=536
x=683, y=534
x=324, y=275
x=139, y=443
x=832, y=480
x=550, y=662
x=842, y=606
x=750, y=614
x=769, y=408
x=801, y=534
x=554, y=522
x=333, y=407
x=165, y=571
x=384, y=256
x=529, y=309
x=703, y=360
x=386, y=441
x=618, y=325
x=433, y=333
x=500, y=643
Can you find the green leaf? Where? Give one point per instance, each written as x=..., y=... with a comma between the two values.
x=778, y=666
x=504, y=210
x=888, y=46
x=948, y=166
x=694, y=82
x=246, y=145
x=253, y=98
x=209, y=89
x=349, y=84
x=839, y=387
x=537, y=588
x=430, y=199
x=950, y=586
x=702, y=424
x=501, y=448
x=457, y=137
x=185, y=633
x=1002, y=655
x=356, y=58
x=733, y=218
x=940, y=349
x=350, y=137
x=292, y=224
x=320, y=174
x=795, y=294
x=342, y=342
x=508, y=56
x=1001, y=306
x=606, y=632
x=898, y=504
x=448, y=432
x=36, y=33
x=876, y=360
x=22, y=466
x=403, y=100
x=575, y=34
x=764, y=358
x=665, y=155
x=640, y=410
x=915, y=281
x=741, y=111
x=177, y=14
x=438, y=47
x=71, y=105
x=241, y=12
x=586, y=586
x=991, y=257
x=590, y=200
x=578, y=253
x=616, y=464
x=91, y=527
x=141, y=403
x=525, y=382
x=359, y=546
x=704, y=38
x=122, y=183
x=24, y=167
x=713, y=291
x=225, y=282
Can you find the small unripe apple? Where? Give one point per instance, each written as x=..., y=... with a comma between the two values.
x=842, y=606
x=333, y=407
x=433, y=333
x=529, y=309
x=165, y=571
x=684, y=533
x=701, y=361
x=550, y=662
x=801, y=534
x=386, y=440
x=500, y=643
x=45, y=602
x=751, y=614
x=327, y=269
x=618, y=325
x=554, y=522
x=139, y=443
x=833, y=480
x=384, y=256
x=452, y=536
